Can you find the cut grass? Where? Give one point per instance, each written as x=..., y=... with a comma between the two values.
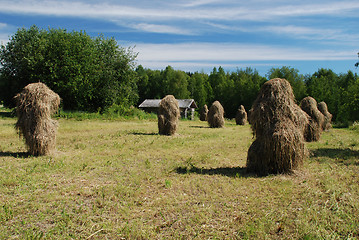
x=121, y=180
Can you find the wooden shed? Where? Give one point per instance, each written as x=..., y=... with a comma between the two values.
x=185, y=106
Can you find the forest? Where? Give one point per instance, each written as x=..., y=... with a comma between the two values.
x=96, y=74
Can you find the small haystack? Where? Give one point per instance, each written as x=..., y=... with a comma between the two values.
x=203, y=113
x=34, y=107
x=316, y=119
x=168, y=115
x=215, y=116
x=278, y=124
x=241, y=116
x=323, y=108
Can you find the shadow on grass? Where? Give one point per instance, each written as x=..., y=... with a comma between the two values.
x=143, y=134
x=7, y=114
x=15, y=154
x=341, y=155
x=198, y=126
x=224, y=171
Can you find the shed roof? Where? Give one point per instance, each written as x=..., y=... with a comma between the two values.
x=154, y=103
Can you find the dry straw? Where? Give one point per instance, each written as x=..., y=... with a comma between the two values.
x=34, y=107
x=278, y=125
x=203, y=113
x=323, y=108
x=241, y=116
x=316, y=119
x=168, y=115
x=215, y=116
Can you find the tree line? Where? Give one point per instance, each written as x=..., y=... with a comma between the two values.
x=95, y=74
x=232, y=89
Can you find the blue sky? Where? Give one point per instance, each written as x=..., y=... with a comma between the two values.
x=199, y=35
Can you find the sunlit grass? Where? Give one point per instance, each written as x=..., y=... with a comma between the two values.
x=121, y=180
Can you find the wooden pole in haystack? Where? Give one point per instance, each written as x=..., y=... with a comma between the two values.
x=316, y=119
x=278, y=125
x=34, y=107
x=241, y=116
x=323, y=108
x=203, y=113
x=215, y=116
x=168, y=115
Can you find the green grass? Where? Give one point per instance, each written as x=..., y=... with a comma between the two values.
x=119, y=179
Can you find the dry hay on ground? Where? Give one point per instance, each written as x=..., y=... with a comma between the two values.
x=241, y=116
x=203, y=113
x=316, y=119
x=34, y=107
x=168, y=115
x=278, y=125
x=323, y=108
x=215, y=116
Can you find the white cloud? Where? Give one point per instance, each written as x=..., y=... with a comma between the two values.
x=324, y=8
x=197, y=3
x=262, y=58
x=157, y=28
x=4, y=36
x=222, y=52
x=187, y=17
x=170, y=11
x=197, y=56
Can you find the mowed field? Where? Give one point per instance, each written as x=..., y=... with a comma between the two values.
x=119, y=179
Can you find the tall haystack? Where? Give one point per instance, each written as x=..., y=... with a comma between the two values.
x=34, y=107
x=316, y=119
x=203, y=113
x=215, y=116
x=241, y=116
x=168, y=115
x=323, y=108
x=278, y=125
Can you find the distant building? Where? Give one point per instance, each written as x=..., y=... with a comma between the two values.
x=185, y=106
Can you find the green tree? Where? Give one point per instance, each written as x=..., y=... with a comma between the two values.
x=143, y=84
x=21, y=60
x=323, y=86
x=348, y=109
x=199, y=88
x=247, y=85
x=175, y=82
x=88, y=74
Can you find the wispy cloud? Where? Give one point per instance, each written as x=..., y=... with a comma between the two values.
x=325, y=35
x=158, y=28
x=278, y=30
x=197, y=3
x=4, y=33
x=232, y=52
x=324, y=8
x=190, y=17
x=232, y=11
x=204, y=56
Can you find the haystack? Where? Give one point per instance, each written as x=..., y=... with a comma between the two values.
x=323, y=108
x=278, y=125
x=215, y=116
x=241, y=116
x=34, y=107
x=316, y=119
x=203, y=113
x=168, y=115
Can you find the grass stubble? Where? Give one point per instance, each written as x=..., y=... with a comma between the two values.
x=121, y=180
